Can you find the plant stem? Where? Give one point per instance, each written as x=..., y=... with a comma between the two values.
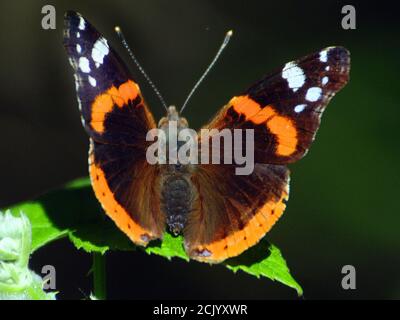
x=99, y=276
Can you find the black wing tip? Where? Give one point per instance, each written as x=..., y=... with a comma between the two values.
x=338, y=49
x=74, y=18
x=71, y=18
x=338, y=58
x=338, y=53
x=71, y=14
x=75, y=22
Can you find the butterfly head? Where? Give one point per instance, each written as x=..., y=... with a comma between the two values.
x=173, y=115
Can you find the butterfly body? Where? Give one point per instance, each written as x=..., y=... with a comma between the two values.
x=176, y=188
x=176, y=197
x=219, y=212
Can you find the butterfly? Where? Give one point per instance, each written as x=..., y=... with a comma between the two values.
x=219, y=213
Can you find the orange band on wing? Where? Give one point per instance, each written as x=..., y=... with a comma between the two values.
x=245, y=105
x=114, y=210
x=237, y=242
x=263, y=116
x=281, y=126
x=286, y=132
x=105, y=102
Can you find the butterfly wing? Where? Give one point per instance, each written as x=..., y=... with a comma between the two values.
x=233, y=212
x=285, y=108
x=117, y=120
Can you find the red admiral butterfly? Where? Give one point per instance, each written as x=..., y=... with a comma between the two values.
x=220, y=214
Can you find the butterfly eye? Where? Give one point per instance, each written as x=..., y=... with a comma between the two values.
x=163, y=122
x=183, y=123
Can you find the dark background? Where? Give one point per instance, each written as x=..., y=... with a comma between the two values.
x=343, y=207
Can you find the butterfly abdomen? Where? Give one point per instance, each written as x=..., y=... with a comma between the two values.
x=176, y=197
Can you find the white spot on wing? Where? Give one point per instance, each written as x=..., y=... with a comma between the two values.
x=92, y=81
x=78, y=35
x=325, y=80
x=313, y=94
x=99, y=51
x=294, y=75
x=84, y=64
x=323, y=55
x=82, y=23
x=300, y=107
x=327, y=68
x=78, y=48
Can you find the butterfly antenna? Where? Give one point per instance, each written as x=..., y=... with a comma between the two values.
x=153, y=86
x=210, y=66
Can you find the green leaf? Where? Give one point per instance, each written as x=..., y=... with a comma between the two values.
x=264, y=260
x=169, y=247
x=74, y=212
